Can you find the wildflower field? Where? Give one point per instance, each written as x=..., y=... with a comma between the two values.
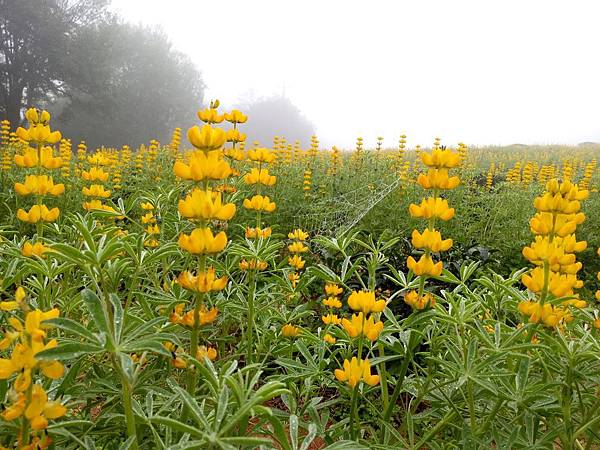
x=212, y=293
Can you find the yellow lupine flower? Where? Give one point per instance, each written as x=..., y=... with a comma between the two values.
x=359, y=324
x=39, y=185
x=16, y=303
x=95, y=174
x=235, y=116
x=355, y=371
x=210, y=115
x=425, y=301
x=202, y=242
x=259, y=203
x=331, y=319
x=432, y=207
x=441, y=158
x=364, y=301
x=431, y=240
x=290, y=330
x=39, y=133
x=203, y=166
x=297, y=247
x=261, y=155
x=437, y=179
x=36, y=249
x=298, y=235
x=205, y=205
x=262, y=176
x=425, y=266
x=95, y=190
x=38, y=213
x=234, y=135
x=332, y=302
x=297, y=262
x=206, y=138
x=30, y=158
x=333, y=289
x=255, y=233
x=203, y=282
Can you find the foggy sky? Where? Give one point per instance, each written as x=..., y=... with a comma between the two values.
x=480, y=71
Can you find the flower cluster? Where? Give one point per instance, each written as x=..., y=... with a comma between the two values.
x=39, y=157
x=362, y=324
x=332, y=302
x=204, y=207
x=150, y=222
x=97, y=175
x=554, y=278
x=296, y=249
x=27, y=395
x=430, y=240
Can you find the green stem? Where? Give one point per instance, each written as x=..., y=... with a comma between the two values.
x=250, y=332
x=354, y=413
x=127, y=403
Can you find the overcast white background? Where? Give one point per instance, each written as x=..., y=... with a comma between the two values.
x=482, y=72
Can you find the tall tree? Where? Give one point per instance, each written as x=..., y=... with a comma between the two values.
x=275, y=115
x=129, y=86
x=33, y=37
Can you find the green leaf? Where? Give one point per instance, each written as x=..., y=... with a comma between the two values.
x=68, y=351
x=74, y=327
x=96, y=309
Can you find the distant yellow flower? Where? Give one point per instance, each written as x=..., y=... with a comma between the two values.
x=147, y=206
x=234, y=135
x=148, y=218
x=253, y=265
x=204, y=352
